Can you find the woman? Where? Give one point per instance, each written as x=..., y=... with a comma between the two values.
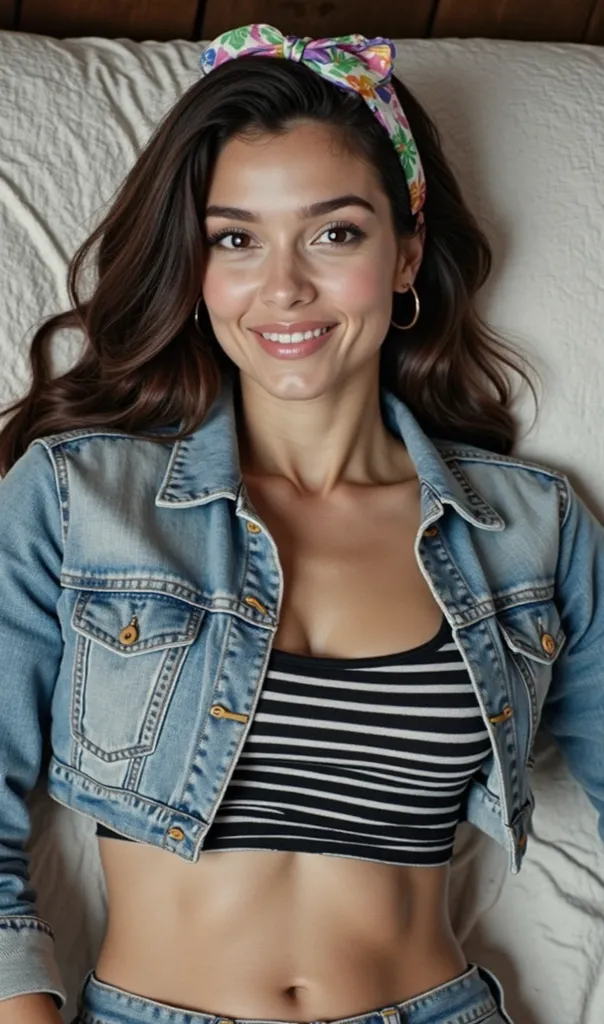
x=275, y=594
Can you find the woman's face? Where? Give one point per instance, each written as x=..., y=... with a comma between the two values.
x=282, y=268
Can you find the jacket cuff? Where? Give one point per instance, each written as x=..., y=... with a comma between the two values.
x=27, y=962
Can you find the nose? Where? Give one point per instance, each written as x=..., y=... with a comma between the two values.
x=286, y=281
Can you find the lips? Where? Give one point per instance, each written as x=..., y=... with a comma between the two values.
x=294, y=349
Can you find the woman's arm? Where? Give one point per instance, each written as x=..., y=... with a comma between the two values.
x=36, y=1009
x=573, y=711
x=31, y=645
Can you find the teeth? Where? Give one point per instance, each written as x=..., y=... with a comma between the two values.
x=292, y=339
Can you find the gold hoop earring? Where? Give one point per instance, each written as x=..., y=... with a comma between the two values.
x=407, y=327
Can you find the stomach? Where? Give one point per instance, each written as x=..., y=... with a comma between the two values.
x=269, y=934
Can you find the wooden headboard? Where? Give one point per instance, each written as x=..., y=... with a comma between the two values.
x=555, y=20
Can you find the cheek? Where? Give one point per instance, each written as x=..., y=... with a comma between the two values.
x=224, y=294
x=360, y=290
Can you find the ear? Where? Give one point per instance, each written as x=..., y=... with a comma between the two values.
x=410, y=255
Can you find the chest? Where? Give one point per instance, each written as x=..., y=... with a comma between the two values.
x=352, y=586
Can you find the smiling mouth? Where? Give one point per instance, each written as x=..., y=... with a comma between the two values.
x=296, y=337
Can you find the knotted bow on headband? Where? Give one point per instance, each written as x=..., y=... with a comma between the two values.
x=353, y=62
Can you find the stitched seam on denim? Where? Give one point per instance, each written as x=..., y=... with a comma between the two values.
x=166, y=640
x=220, y=604
x=245, y=567
x=503, y=732
x=440, y=539
x=83, y=782
x=473, y=455
x=565, y=498
x=192, y=774
x=16, y=923
x=63, y=478
x=117, y=581
x=530, y=595
x=78, y=674
x=473, y=496
x=469, y=1016
x=489, y=1015
x=62, y=486
x=167, y=477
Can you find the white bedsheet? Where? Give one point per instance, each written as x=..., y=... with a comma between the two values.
x=523, y=126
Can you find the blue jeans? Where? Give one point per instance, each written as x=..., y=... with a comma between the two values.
x=472, y=998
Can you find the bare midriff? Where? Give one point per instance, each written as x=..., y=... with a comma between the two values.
x=267, y=934
x=291, y=935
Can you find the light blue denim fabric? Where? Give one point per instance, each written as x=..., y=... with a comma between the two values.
x=98, y=527
x=473, y=998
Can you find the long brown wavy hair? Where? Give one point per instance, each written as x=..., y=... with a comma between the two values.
x=144, y=365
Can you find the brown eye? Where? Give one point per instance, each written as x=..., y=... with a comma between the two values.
x=238, y=236
x=218, y=239
x=335, y=232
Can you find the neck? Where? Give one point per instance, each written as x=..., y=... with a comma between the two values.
x=318, y=443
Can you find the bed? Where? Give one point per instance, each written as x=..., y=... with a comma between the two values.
x=522, y=124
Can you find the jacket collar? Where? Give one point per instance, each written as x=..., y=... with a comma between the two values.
x=205, y=465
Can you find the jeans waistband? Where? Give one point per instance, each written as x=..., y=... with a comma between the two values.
x=473, y=996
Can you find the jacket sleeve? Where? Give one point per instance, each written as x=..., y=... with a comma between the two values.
x=31, y=552
x=573, y=711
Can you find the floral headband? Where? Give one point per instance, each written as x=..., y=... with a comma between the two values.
x=351, y=62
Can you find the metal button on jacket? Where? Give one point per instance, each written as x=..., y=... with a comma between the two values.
x=255, y=603
x=503, y=717
x=548, y=643
x=129, y=634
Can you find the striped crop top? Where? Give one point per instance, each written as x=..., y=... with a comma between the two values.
x=367, y=758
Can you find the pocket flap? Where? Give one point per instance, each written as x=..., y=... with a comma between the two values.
x=533, y=630
x=159, y=620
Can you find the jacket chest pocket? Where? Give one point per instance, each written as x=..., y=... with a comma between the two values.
x=534, y=633
x=129, y=651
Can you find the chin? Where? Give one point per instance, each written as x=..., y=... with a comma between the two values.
x=295, y=387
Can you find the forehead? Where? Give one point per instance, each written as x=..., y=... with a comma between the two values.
x=308, y=161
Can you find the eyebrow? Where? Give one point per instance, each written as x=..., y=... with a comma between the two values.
x=304, y=212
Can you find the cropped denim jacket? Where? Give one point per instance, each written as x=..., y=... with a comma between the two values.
x=139, y=598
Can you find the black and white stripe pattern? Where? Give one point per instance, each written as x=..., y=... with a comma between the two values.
x=366, y=758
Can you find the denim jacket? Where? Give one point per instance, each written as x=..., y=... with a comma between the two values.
x=139, y=598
